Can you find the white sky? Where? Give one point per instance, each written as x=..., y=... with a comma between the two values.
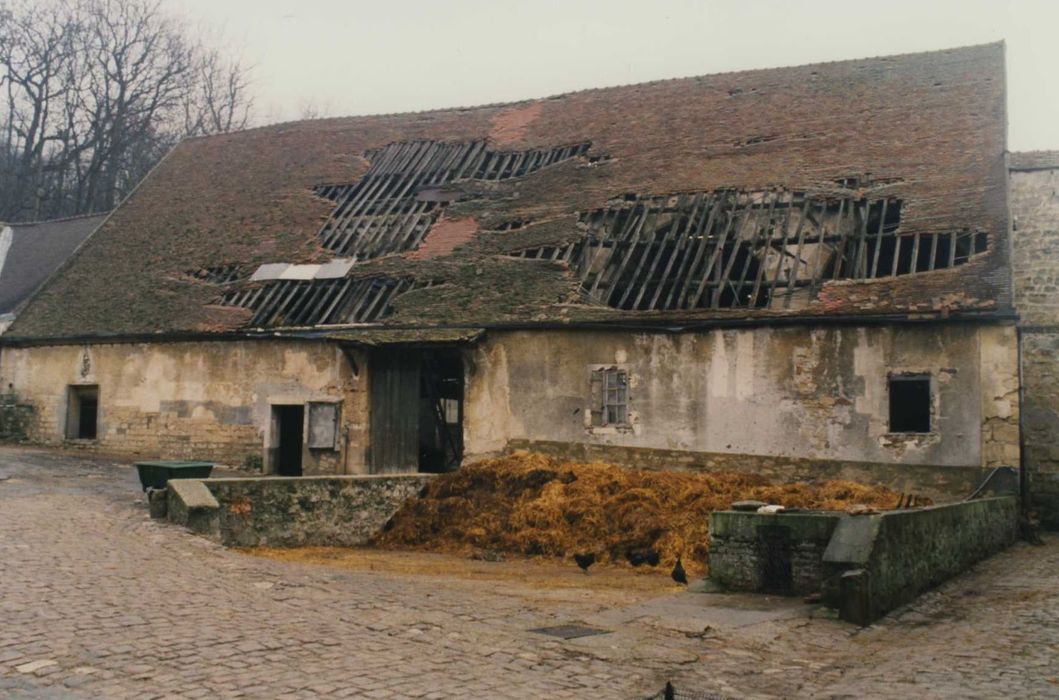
x=343, y=57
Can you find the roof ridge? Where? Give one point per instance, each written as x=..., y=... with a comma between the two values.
x=569, y=93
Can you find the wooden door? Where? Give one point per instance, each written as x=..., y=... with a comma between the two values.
x=394, y=411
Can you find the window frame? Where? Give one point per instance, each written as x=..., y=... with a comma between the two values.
x=609, y=402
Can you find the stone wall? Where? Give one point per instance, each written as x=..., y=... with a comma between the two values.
x=875, y=563
x=339, y=511
x=865, y=565
x=939, y=483
x=192, y=400
x=752, y=552
x=794, y=393
x=1035, y=241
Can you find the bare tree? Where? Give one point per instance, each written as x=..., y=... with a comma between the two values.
x=217, y=99
x=94, y=93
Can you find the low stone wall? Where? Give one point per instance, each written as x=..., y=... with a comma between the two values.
x=875, y=563
x=341, y=511
x=940, y=484
x=865, y=565
x=779, y=553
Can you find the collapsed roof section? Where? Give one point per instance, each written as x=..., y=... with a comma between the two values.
x=873, y=187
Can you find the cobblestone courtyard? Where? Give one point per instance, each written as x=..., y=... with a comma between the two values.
x=97, y=600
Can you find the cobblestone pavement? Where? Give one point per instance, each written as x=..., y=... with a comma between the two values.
x=97, y=600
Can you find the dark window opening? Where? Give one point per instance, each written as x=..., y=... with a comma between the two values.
x=910, y=403
x=82, y=417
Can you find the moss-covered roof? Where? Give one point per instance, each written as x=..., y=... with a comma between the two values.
x=926, y=129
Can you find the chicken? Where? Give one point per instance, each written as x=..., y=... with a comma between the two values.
x=585, y=560
x=679, y=575
x=637, y=558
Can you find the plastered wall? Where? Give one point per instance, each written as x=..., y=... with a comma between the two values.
x=202, y=400
x=792, y=392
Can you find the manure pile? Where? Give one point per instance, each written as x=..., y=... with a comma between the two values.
x=531, y=504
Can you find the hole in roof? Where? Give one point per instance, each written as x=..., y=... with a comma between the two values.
x=410, y=183
x=744, y=249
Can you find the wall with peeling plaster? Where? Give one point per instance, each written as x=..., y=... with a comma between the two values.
x=207, y=400
x=816, y=393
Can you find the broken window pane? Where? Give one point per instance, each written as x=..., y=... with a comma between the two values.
x=610, y=397
x=910, y=403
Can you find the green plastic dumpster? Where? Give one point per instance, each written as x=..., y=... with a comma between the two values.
x=157, y=474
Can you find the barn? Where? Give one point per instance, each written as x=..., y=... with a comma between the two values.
x=802, y=272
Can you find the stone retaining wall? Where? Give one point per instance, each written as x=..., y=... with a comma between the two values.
x=865, y=565
x=340, y=511
x=876, y=563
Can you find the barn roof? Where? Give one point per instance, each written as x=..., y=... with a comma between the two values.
x=870, y=187
x=30, y=252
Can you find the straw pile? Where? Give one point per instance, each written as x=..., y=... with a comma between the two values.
x=531, y=504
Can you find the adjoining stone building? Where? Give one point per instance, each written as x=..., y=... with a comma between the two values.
x=32, y=251
x=800, y=271
x=1035, y=226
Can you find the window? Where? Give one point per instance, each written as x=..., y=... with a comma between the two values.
x=910, y=403
x=82, y=411
x=323, y=426
x=610, y=397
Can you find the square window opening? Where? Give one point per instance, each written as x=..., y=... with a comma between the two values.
x=82, y=412
x=910, y=403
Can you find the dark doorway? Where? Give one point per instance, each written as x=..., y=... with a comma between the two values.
x=775, y=550
x=287, y=422
x=441, y=411
x=82, y=413
x=416, y=410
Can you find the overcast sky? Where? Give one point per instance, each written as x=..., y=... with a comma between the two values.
x=342, y=57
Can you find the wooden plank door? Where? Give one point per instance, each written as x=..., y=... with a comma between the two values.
x=394, y=411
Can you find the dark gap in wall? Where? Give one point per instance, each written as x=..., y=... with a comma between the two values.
x=910, y=403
